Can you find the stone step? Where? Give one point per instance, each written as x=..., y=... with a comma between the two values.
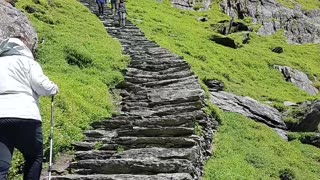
x=148, y=78
x=162, y=83
x=159, y=68
x=162, y=96
x=168, y=176
x=162, y=110
x=154, y=61
x=182, y=119
x=156, y=132
x=118, y=31
x=137, y=142
x=191, y=154
x=106, y=136
x=134, y=69
x=151, y=166
x=189, y=83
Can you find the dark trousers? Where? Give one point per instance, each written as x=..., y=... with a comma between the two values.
x=100, y=7
x=26, y=136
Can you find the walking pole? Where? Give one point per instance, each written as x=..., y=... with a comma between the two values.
x=51, y=140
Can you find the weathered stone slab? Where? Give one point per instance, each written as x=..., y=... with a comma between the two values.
x=311, y=120
x=298, y=78
x=249, y=108
x=174, y=176
x=133, y=166
x=161, y=153
x=13, y=22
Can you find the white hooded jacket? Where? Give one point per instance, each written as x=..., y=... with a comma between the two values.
x=21, y=82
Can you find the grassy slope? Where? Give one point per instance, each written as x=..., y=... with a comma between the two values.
x=70, y=30
x=244, y=149
x=305, y=4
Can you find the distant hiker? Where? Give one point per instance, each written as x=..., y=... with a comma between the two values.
x=114, y=6
x=21, y=83
x=100, y=4
x=122, y=13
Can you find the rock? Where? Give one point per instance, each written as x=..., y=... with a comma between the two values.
x=282, y=133
x=246, y=38
x=203, y=19
x=306, y=138
x=30, y=9
x=311, y=120
x=299, y=26
x=313, y=140
x=161, y=176
x=298, y=78
x=288, y=103
x=133, y=166
x=249, y=108
x=191, y=5
x=13, y=22
x=278, y=50
x=214, y=85
x=316, y=141
x=225, y=41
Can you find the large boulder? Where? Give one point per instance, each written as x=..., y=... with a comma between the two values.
x=249, y=108
x=311, y=120
x=300, y=27
x=14, y=23
x=298, y=78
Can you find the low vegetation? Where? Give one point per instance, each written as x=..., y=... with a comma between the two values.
x=243, y=149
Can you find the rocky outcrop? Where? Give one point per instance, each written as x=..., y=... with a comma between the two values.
x=310, y=121
x=248, y=107
x=191, y=5
x=298, y=78
x=13, y=23
x=300, y=27
x=313, y=140
x=161, y=133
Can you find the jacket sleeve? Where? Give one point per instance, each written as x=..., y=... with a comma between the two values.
x=40, y=83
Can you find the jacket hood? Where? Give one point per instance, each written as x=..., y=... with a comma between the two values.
x=14, y=46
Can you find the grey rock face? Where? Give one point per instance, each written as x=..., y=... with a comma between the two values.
x=298, y=78
x=249, y=108
x=311, y=120
x=13, y=22
x=191, y=4
x=300, y=27
x=154, y=137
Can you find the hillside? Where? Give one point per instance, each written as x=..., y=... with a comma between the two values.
x=87, y=63
x=243, y=150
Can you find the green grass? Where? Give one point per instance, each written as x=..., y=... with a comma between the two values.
x=305, y=4
x=247, y=150
x=243, y=149
x=245, y=71
x=73, y=34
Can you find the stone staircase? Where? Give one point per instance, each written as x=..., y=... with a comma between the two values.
x=162, y=132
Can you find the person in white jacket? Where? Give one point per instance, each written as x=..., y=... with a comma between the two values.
x=21, y=83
